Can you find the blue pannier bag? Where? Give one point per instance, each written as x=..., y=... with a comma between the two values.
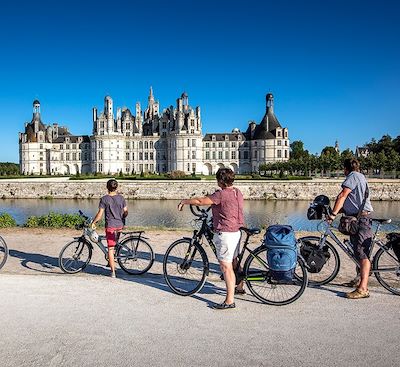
x=281, y=245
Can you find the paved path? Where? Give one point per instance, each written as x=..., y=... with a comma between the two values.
x=93, y=320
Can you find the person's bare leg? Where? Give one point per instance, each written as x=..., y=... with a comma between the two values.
x=111, y=260
x=365, y=267
x=230, y=280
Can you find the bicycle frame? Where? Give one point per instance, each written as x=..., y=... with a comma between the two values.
x=349, y=251
x=206, y=232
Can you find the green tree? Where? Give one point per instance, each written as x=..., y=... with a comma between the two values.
x=297, y=150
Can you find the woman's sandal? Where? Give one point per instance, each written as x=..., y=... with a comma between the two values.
x=223, y=306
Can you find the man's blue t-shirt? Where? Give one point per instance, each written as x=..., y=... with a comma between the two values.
x=356, y=182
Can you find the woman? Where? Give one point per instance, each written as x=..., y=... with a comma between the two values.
x=227, y=210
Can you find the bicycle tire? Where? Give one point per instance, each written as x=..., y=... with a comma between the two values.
x=176, y=273
x=136, y=256
x=259, y=279
x=69, y=264
x=319, y=278
x=3, y=252
x=382, y=276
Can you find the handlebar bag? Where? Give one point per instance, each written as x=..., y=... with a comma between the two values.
x=281, y=245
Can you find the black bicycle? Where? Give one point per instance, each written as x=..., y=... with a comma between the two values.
x=186, y=266
x=3, y=252
x=134, y=254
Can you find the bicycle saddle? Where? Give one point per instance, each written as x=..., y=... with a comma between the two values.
x=250, y=231
x=382, y=221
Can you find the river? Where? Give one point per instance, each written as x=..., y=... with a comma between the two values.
x=163, y=213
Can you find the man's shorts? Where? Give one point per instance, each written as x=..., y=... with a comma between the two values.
x=227, y=245
x=363, y=239
x=111, y=236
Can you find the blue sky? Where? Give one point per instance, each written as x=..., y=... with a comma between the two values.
x=333, y=66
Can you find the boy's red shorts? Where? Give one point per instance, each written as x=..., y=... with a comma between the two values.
x=110, y=236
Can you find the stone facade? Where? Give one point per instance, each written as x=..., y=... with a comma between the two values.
x=150, y=141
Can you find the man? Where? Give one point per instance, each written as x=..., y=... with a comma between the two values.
x=350, y=200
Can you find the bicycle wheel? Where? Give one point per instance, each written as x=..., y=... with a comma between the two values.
x=267, y=290
x=75, y=256
x=185, y=267
x=388, y=267
x=3, y=252
x=135, y=255
x=331, y=267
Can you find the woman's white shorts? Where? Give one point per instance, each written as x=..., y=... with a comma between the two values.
x=227, y=245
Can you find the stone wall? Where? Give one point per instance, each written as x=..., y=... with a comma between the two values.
x=256, y=190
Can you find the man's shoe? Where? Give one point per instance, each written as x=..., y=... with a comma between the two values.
x=223, y=306
x=357, y=294
x=240, y=291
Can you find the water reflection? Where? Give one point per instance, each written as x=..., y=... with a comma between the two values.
x=164, y=212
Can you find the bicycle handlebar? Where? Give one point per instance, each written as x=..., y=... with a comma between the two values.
x=199, y=212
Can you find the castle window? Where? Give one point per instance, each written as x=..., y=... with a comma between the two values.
x=67, y=156
x=41, y=146
x=73, y=146
x=213, y=137
x=193, y=154
x=164, y=125
x=146, y=156
x=226, y=137
x=193, y=167
x=279, y=142
x=127, y=156
x=207, y=155
x=151, y=156
x=286, y=142
x=146, y=145
x=220, y=144
x=219, y=155
x=133, y=156
x=140, y=145
x=188, y=154
x=207, y=145
x=213, y=145
x=285, y=153
x=193, y=142
x=279, y=133
x=233, y=144
x=151, y=145
x=226, y=154
x=255, y=154
x=67, y=146
x=213, y=155
x=188, y=142
x=74, y=156
x=233, y=155
x=128, y=145
x=279, y=153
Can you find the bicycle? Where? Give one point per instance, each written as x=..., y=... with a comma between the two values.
x=134, y=254
x=3, y=252
x=384, y=265
x=186, y=266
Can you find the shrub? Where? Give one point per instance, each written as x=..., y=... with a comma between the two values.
x=177, y=174
x=54, y=220
x=6, y=220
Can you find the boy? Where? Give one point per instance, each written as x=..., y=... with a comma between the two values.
x=115, y=209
